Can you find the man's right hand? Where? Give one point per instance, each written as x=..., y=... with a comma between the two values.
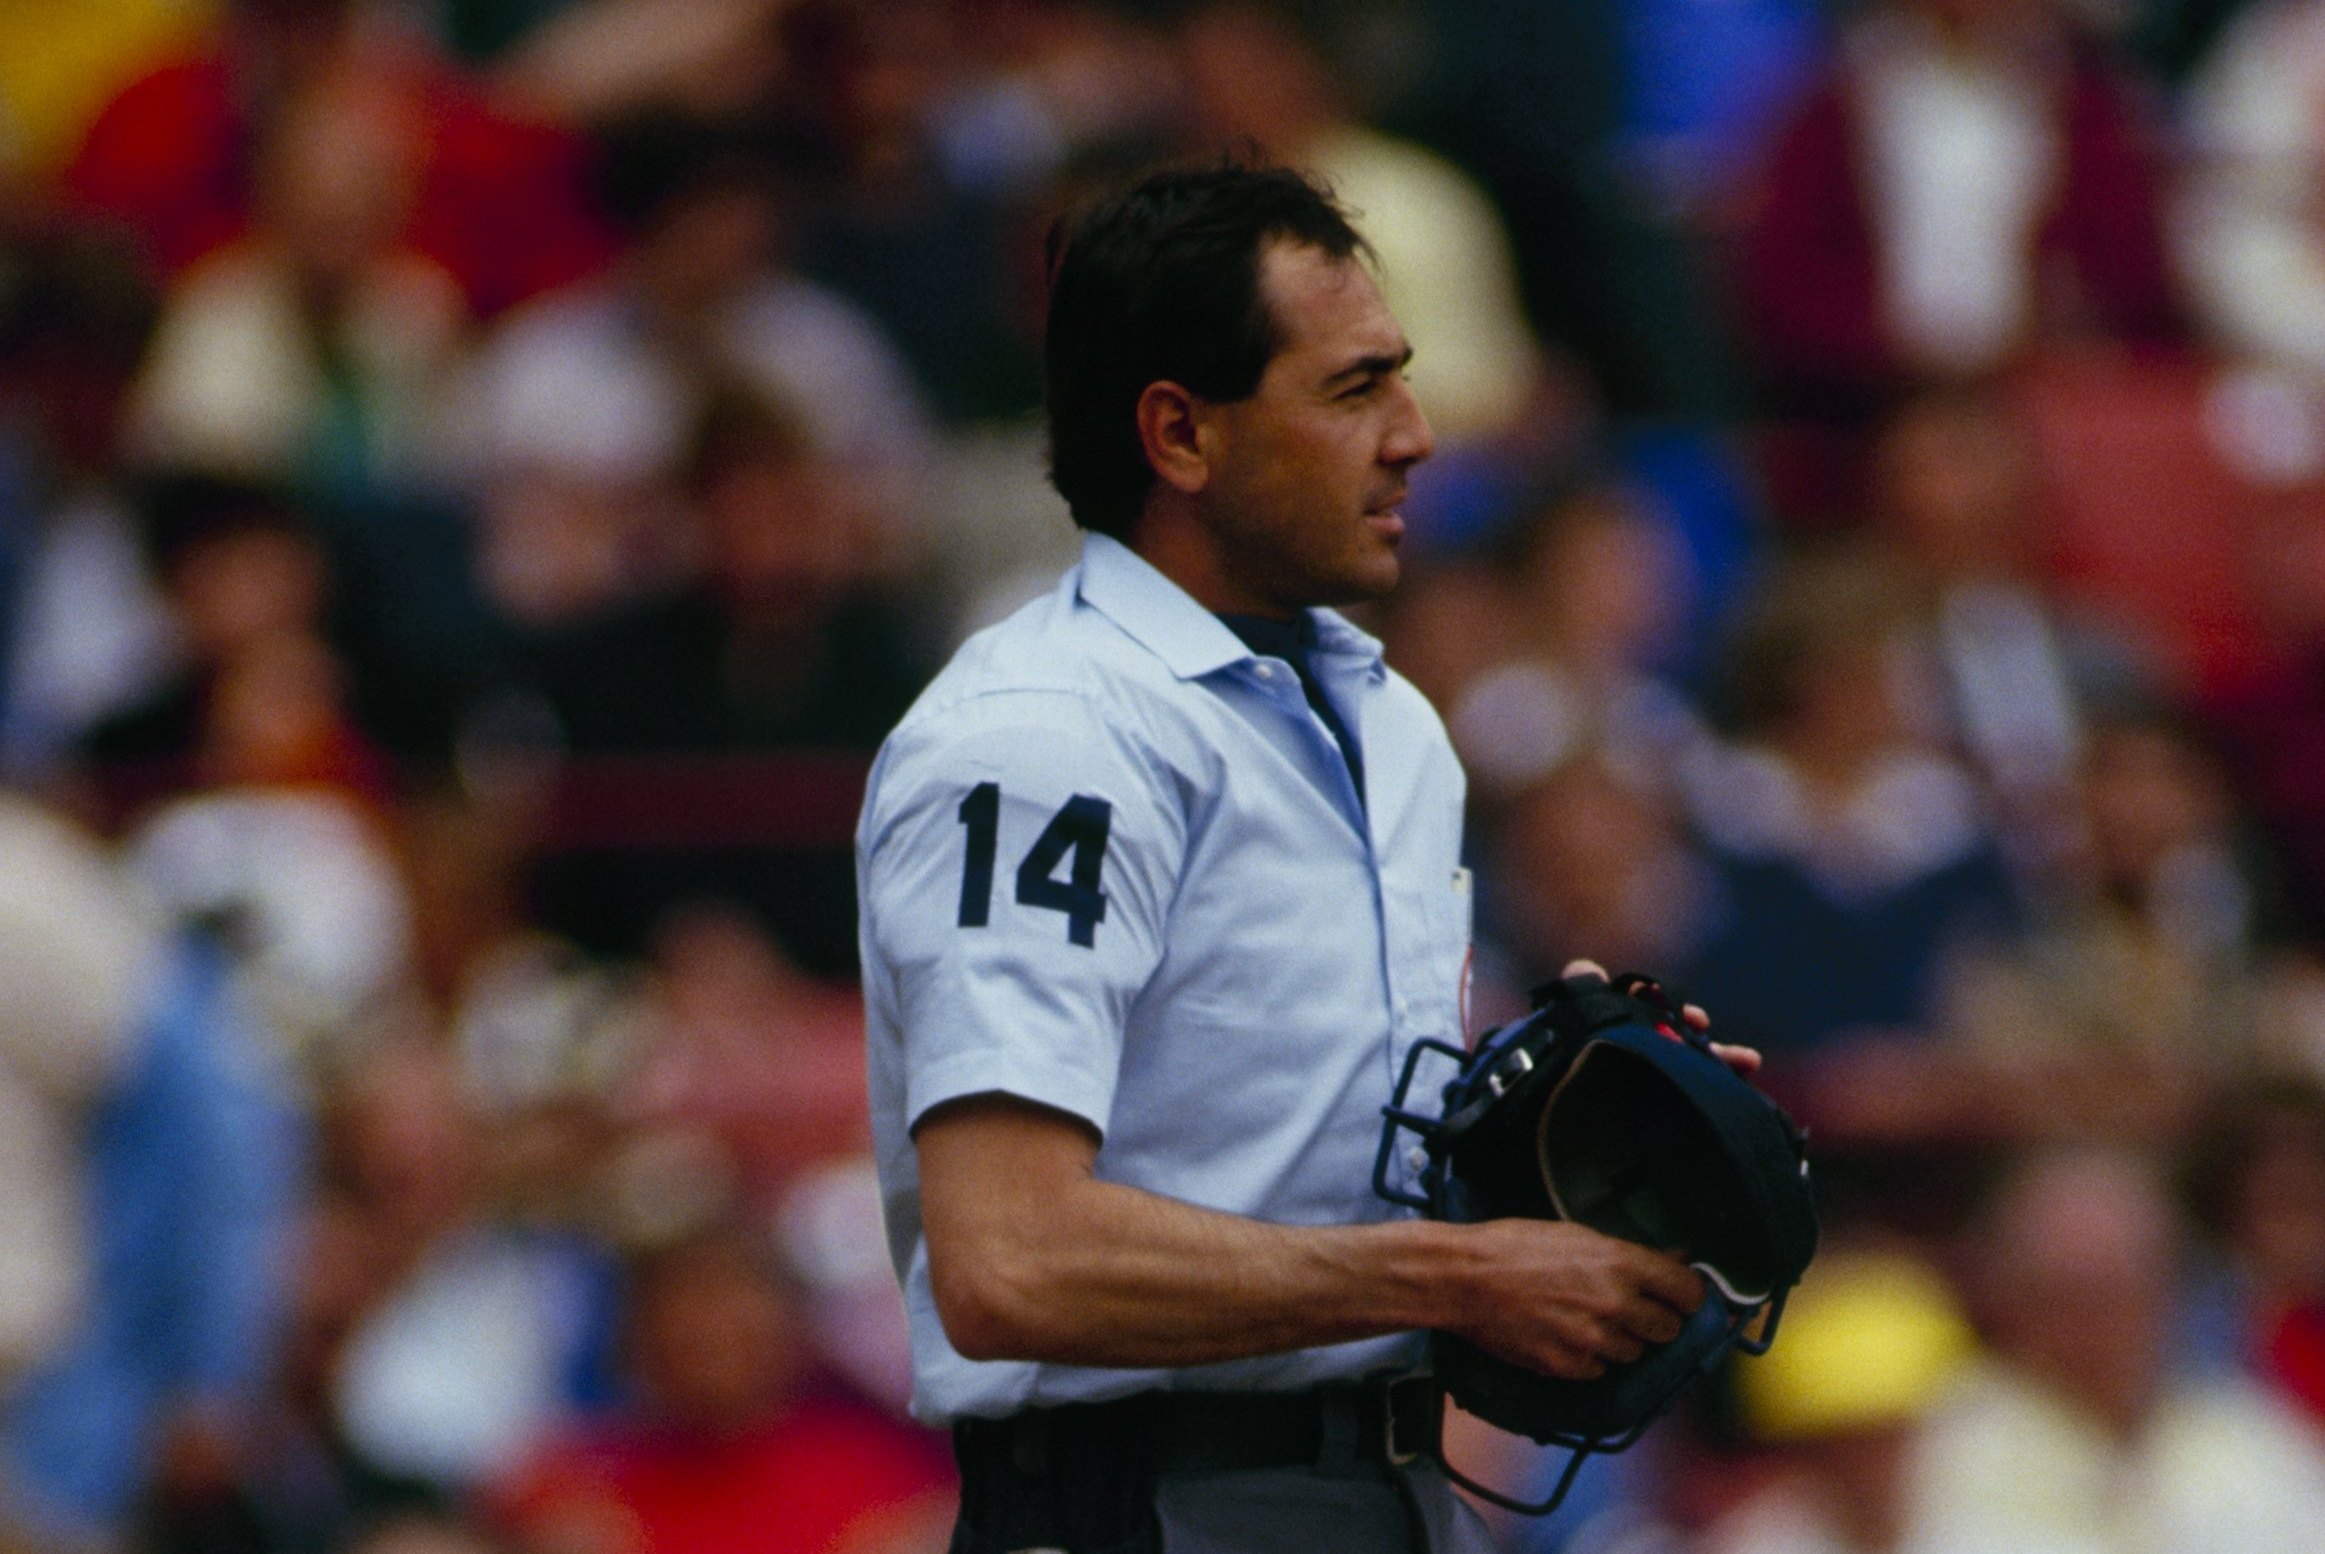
x=1032, y=1257
x=1569, y=1302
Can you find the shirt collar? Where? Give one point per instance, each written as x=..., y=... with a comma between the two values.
x=1164, y=619
x=1288, y=640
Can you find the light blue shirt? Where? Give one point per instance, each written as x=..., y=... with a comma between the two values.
x=1112, y=862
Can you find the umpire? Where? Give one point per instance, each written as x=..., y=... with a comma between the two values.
x=1160, y=883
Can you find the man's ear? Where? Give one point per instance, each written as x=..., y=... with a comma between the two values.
x=1176, y=436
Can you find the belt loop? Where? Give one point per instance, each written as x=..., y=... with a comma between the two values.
x=1412, y=1399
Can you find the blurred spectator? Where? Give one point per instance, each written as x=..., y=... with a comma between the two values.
x=1535, y=100
x=81, y=960
x=594, y=61
x=311, y=350
x=727, y=1443
x=1596, y=590
x=463, y=856
x=301, y=891
x=792, y=639
x=1955, y=502
x=2136, y=988
x=260, y=697
x=2082, y=1434
x=745, y=1053
x=1707, y=80
x=2249, y=221
x=1868, y=1345
x=2256, y=1178
x=151, y=1123
x=2269, y=725
x=1029, y=107
x=998, y=533
x=789, y=637
x=421, y=1533
x=914, y=224
x=1851, y=854
x=1970, y=182
x=583, y=405
x=1054, y=90
x=710, y=209
x=543, y=1035
x=1446, y=268
x=2173, y=37
x=1591, y=861
x=1443, y=627
x=497, y=201
x=82, y=629
x=280, y=1476
x=836, y=1249
x=487, y=1331
x=483, y=31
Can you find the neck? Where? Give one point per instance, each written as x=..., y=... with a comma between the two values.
x=1175, y=542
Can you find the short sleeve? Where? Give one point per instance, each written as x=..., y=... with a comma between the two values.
x=1020, y=854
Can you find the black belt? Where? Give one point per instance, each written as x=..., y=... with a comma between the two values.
x=1337, y=1427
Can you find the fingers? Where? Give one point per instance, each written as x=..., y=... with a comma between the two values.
x=1568, y=1302
x=1587, y=1360
x=1670, y=1282
x=1617, y=1347
x=1640, y=1324
x=1605, y=1345
x=1569, y=1364
x=1652, y=1322
x=1744, y=1060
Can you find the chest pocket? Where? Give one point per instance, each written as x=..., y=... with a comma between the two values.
x=1438, y=980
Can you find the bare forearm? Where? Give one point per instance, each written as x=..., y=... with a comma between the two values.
x=1032, y=1257
x=1116, y=1277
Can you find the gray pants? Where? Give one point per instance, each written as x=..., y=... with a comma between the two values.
x=1291, y=1510
x=1299, y=1511
x=1157, y=1474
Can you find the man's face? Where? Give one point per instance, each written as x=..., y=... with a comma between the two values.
x=1309, y=471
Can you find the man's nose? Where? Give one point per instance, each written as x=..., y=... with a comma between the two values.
x=1409, y=439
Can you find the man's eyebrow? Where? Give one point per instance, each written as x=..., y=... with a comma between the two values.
x=1373, y=366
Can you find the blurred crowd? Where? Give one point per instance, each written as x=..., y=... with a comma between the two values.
x=478, y=478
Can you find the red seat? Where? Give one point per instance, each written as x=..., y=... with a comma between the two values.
x=2151, y=521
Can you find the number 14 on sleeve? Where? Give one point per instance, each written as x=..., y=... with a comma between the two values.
x=1078, y=828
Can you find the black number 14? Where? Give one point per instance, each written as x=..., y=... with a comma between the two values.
x=1079, y=828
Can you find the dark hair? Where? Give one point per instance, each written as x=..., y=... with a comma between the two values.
x=2242, y=1125
x=742, y=425
x=179, y=511
x=1811, y=606
x=74, y=295
x=1159, y=282
x=648, y=163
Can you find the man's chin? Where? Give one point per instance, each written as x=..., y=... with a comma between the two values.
x=1375, y=579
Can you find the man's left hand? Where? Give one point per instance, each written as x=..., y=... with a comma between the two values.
x=1744, y=1060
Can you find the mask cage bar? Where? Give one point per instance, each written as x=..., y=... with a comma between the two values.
x=1580, y=1447
x=1431, y=1129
